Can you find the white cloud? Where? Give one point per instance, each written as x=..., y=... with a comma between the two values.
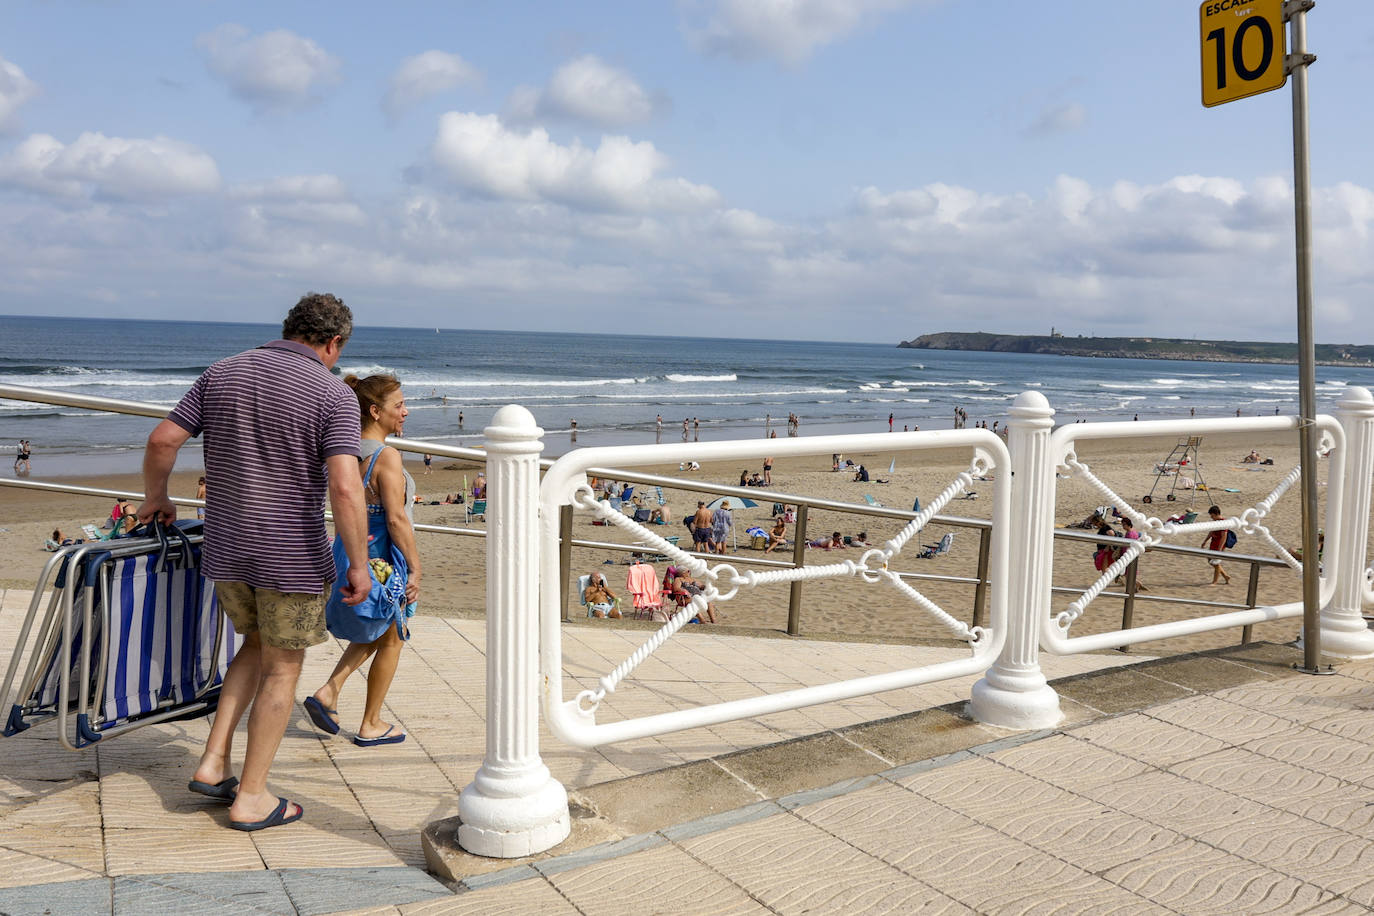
x=1058, y=119
x=586, y=89
x=483, y=155
x=425, y=75
x=15, y=90
x=109, y=167
x=788, y=30
x=1192, y=256
x=274, y=70
x=299, y=198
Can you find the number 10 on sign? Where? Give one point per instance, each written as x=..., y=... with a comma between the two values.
x=1243, y=49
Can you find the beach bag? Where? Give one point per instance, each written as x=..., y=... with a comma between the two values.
x=386, y=601
x=1104, y=558
x=1230, y=539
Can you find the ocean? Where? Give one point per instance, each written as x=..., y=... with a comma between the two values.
x=613, y=386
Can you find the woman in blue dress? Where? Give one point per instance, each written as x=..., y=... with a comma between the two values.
x=390, y=494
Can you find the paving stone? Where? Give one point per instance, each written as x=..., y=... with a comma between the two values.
x=239, y=892
x=536, y=895
x=92, y=897
x=1176, y=803
x=1069, y=763
x=1191, y=877
x=1121, y=690
x=1200, y=673
x=919, y=736
x=1295, y=846
x=1262, y=779
x=647, y=802
x=1219, y=719
x=1321, y=751
x=303, y=845
x=19, y=869
x=329, y=890
x=790, y=866
x=166, y=850
x=805, y=763
x=656, y=880
x=1147, y=739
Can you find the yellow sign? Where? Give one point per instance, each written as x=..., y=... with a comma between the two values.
x=1243, y=49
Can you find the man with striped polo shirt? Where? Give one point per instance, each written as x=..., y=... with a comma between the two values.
x=281, y=432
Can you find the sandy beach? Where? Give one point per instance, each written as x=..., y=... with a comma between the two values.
x=454, y=581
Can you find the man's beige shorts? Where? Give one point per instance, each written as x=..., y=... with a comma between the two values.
x=285, y=620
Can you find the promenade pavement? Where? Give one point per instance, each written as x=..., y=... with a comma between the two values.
x=1221, y=783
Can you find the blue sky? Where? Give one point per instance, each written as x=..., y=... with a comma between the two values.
x=819, y=169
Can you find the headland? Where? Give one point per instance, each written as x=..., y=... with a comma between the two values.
x=1218, y=351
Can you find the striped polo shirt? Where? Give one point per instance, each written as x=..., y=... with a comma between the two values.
x=270, y=418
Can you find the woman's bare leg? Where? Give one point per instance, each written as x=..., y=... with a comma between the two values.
x=379, y=677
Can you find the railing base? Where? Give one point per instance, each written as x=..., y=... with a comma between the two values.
x=1346, y=642
x=1022, y=703
x=510, y=828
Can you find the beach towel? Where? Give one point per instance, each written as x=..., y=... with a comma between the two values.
x=642, y=583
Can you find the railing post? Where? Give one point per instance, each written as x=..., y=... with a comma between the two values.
x=565, y=532
x=1014, y=692
x=980, y=591
x=1343, y=631
x=798, y=561
x=512, y=807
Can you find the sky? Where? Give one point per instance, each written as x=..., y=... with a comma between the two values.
x=863, y=170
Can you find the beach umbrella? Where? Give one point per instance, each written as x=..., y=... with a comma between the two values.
x=736, y=502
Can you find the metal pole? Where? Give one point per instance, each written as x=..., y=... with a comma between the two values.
x=1251, y=596
x=565, y=539
x=1297, y=62
x=980, y=591
x=798, y=561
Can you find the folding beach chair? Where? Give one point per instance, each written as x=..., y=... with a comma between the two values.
x=475, y=509
x=931, y=551
x=131, y=635
x=582, y=583
x=868, y=498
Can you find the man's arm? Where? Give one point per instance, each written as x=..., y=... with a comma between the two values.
x=159, y=457
x=350, y=523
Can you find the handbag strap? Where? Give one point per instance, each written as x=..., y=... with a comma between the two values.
x=367, y=478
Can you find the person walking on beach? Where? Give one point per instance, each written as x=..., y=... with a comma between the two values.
x=1217, y=540
x=429, y=460
x=701, y=528
x=889, y=422
x=280, y=432
x=390, y=493
x=23, y=455
x=768, y=472
x=200, y=494
x=721, y=523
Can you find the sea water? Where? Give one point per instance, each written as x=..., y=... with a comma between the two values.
x=614, y=386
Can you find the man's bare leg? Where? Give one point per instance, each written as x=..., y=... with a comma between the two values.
x=235, y=696
x=272, y=705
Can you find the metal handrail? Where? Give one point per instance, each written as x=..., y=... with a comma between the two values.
x=803, y=503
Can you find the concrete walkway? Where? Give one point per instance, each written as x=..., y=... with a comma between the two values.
x=1238, y=786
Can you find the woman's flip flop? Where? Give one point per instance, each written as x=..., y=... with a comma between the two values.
x=322, y=716
x=385, y=737
x=275, y=819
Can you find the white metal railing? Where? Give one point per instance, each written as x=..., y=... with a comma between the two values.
x=566, y=484
x=513, y=807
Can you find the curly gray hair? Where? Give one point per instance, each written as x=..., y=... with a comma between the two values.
x=317, y=319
